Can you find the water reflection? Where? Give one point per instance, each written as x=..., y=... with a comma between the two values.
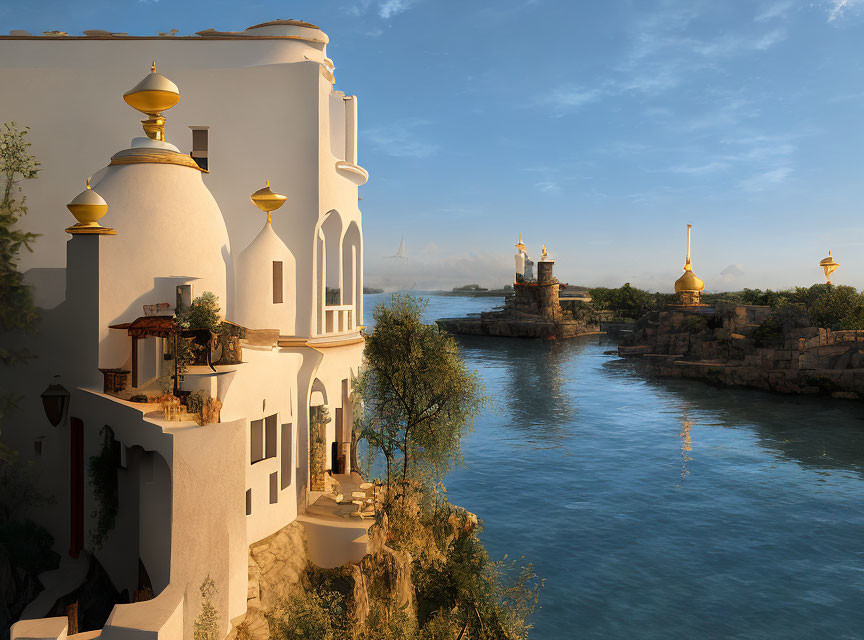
x=531, y=374
x=686, y=444
x=816, y=433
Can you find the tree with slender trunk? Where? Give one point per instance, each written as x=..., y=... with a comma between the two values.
x=420, y=396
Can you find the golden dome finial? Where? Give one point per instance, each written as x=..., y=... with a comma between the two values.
x=545, y=255
x=829, y=266
x=88, y=207
x=689, y=286
x=268, y=201
x=153, y=95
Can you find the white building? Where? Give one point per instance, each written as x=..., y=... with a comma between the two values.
x=253, y=105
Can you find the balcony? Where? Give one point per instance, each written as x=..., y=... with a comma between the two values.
x=338, y=319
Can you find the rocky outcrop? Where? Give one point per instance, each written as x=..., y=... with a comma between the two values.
x=746, y=346
x=533, y=311
x=275, y=567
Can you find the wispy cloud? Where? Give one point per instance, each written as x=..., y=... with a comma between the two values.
x=400, y=139
x=774, y=10
x=663, y=54
x=548, y=186
x=389, y=8
x=385, y=9
x=766, y=180
x=567, y=99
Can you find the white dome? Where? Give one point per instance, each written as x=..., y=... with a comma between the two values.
x=256, y=284
x=170, y=231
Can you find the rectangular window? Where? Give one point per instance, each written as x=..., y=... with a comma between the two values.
x=277, y=282
x=200, y=144
x=248, y=502
x=286, y=455
x=270, y=434
x=274, y=487
x=257, y=441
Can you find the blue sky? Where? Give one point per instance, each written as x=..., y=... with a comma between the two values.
x=597, y=128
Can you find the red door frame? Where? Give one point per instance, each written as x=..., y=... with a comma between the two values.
x=76, y=486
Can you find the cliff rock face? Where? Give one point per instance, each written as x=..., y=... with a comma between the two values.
x=749, y=346
x=275, y=566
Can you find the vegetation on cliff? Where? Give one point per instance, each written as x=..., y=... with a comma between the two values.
x=833, y=307
x=428, y=575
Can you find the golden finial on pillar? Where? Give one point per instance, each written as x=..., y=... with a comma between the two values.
x=545, y=255
x=268, y=201
x=829, y=266
x=88, y=207
x=153, y=95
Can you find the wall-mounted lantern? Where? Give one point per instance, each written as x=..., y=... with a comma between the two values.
x=55, y=401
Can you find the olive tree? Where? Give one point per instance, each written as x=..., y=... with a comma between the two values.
x=420, y=397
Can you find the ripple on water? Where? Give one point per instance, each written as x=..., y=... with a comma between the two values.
x=748, y=523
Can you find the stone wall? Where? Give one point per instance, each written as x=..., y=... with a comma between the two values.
x=727, y=348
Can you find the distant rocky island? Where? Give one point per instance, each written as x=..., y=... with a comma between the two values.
x=367, y=290
x=476, y=291
x=532, y=306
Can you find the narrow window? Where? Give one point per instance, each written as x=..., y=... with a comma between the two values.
x=270, y=429
x=183, y=297
x=286, y=455
x=248, y=502
x=274, y=487
x=199, y=146
x=257, y=441
x=277, y=282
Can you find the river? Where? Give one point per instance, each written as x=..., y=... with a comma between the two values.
x=657, y=508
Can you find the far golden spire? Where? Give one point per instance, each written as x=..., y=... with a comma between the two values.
x=689, y=287
x=829, y=265
x=520, y=245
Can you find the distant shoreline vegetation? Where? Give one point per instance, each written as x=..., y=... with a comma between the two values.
x=835, y=307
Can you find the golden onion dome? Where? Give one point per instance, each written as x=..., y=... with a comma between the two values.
x=153, y=94
x=88, y=207
x=828, y=262
x=689, y=282
x=267, y=200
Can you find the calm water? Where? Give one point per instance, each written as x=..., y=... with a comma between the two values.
x=663, y=509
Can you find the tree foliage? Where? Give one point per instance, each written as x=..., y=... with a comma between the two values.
x=420, y=396
x=102, y=472
x=627, y=301
x=17, y=312
x=206, y=625
x=16, y=302
x=203, y=313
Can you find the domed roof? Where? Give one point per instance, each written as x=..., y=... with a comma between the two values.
x=688, y=282
x=256, y=283
x=292, y=23
x=89, y=198
x=296, y=29
x=168, y=225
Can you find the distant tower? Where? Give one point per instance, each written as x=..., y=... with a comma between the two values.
x=521, y=257
x=688, y=286
x=829, y=266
